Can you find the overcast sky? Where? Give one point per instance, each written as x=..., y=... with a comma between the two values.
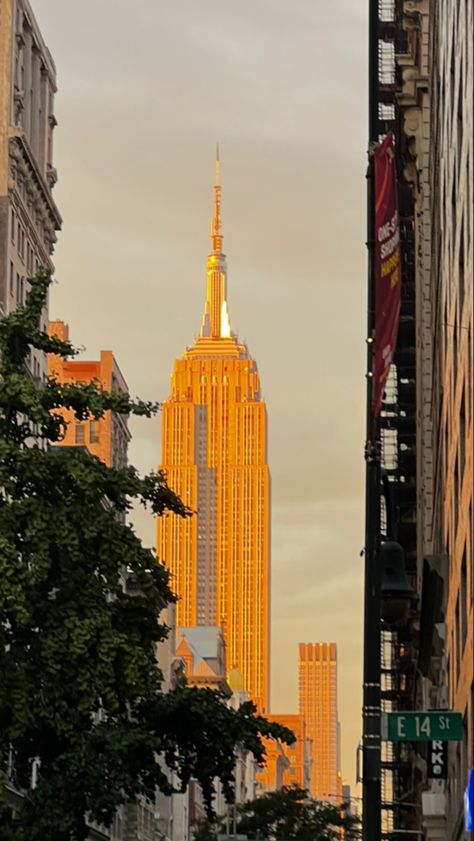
x=145, y=91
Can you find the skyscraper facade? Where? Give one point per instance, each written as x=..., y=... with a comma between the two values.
x=29, y=217
x=452, y=270
x=437, y=142
x=450, y=217
x=424, y=93
x=317, y=689
x=214, y=451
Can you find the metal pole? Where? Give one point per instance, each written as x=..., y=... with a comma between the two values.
x=371, y=788
x=371, y=773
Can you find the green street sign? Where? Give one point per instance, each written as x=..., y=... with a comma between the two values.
x=442, y=726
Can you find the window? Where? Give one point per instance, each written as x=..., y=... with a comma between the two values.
x=12, y=278
x=94, y=432
x=12, y=226
x=80, y=433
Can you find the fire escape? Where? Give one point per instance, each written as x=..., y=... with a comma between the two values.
x=398, y=457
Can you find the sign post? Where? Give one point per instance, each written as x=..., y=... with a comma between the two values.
x=441, y=726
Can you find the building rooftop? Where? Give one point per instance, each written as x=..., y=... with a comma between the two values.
x=205, y=640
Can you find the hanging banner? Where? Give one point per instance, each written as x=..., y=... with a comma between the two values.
x=387, y=266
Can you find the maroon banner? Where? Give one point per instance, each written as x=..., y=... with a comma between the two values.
x=387, y=266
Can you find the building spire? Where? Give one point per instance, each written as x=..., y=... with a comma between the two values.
x=215, y=323
x=216, y=230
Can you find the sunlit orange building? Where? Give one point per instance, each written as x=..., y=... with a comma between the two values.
x=317, y=674
x=214, y=451
x=108, y=437
x=272, y=776
x=286, y=765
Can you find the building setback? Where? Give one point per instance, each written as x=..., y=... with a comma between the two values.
x=214, y=451
x=317, y=690
x=29, y=217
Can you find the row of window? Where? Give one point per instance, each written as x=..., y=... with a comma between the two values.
x=21, y=188
x=18, y=235
x=80, y=432
x=34, y=94
x=17, y=284
x=25, y=249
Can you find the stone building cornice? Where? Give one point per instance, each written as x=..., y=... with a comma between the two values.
x=413, y=63
x=413, y=72
x=36, y=185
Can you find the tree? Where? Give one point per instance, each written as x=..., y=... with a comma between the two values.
x=81, y=705
x=207, y=830
x=289, y=814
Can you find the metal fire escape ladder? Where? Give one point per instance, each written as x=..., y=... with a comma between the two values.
x=398, y=450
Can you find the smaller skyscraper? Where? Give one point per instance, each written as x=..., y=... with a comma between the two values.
x=317, y=686
x=108, y=437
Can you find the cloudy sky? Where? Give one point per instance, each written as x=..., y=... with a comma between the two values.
x=145, y=91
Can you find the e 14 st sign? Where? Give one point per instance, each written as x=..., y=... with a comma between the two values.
x=430, y=726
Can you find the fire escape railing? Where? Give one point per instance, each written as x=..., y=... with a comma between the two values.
x=397, y=437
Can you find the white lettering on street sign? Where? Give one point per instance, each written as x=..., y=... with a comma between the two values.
x=426, y=726
x=401, y=727
x=423, y=726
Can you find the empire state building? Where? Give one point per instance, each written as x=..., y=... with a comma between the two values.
x=214, y=451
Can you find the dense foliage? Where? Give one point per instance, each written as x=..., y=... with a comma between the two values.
x=289, y=814
x=83, y=718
